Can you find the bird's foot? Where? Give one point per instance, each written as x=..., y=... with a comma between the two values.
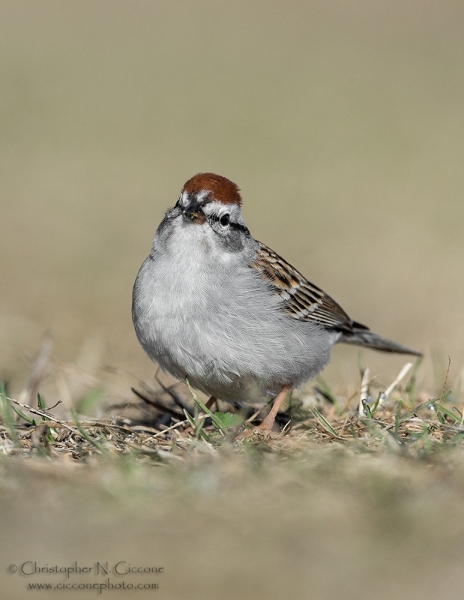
x=264, y=431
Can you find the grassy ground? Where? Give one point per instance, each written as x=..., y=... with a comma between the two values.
x=359, y=490
x=342, y=123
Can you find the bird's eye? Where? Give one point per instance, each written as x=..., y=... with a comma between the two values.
x=225, y=220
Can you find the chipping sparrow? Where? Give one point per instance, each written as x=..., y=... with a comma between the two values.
x=213, y=304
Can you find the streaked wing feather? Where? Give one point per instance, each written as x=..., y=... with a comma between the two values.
x=300, y=298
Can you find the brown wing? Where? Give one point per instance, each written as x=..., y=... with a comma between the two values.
x=300, y=298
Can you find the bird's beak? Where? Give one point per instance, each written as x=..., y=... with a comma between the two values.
x=193, y=213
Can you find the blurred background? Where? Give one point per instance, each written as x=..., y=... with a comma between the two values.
x=342, y=123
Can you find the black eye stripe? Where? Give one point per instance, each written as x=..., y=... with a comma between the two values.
x=202, y=201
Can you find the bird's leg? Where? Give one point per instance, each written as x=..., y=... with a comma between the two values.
x=268, y=422
x=210, y=402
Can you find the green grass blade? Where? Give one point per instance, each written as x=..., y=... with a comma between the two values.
x=8, y=417
x=323, y=421
x=325, y=390
x=24, y=416
x=216, y=422
x=411, y=385
x=380, y=397
x=196, y=426
x=398, y=419
x=367, y=409
x=442, y=410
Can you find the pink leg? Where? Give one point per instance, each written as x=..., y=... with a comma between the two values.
x=268, y=422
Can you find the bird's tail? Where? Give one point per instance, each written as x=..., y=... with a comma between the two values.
x=361, y=336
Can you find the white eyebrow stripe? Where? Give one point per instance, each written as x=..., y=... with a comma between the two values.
x=201, y=195
x=213, y=206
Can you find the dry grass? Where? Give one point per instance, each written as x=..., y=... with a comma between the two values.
x=353, y=490
x=341, y=123
x=402, y=421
